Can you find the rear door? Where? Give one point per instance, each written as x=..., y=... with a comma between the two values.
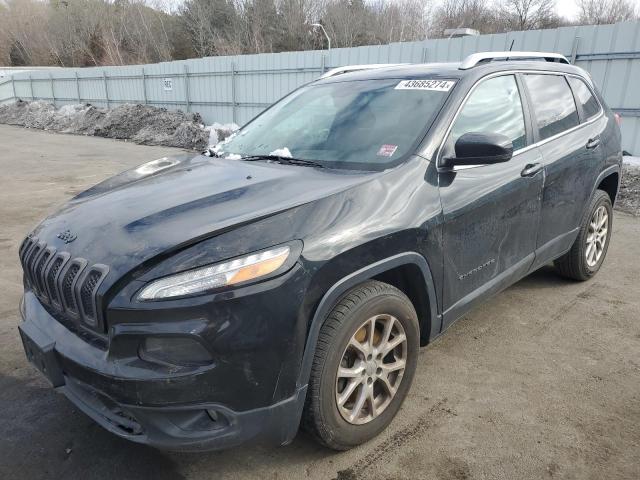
x=490, y=212
x=568, y=136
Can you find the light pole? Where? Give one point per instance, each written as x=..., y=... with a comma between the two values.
x=318, y=25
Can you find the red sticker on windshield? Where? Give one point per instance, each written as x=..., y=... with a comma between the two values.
x=387, y=150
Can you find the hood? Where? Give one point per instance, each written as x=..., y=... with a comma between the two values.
x=172, y=202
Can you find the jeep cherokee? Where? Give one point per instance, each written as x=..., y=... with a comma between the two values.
x=289, y=275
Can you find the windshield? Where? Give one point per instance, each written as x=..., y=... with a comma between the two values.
x=364, y=125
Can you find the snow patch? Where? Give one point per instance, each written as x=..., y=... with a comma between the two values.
x=219, y=132
x=281, y=152
x=631, y=161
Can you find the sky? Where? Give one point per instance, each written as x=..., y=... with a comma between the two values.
x=567, y=9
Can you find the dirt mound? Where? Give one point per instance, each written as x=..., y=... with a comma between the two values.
x=141, y=123
x=184, y=135
x=27, y=114
x=629, y=194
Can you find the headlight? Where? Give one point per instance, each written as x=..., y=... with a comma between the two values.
x=240, y=270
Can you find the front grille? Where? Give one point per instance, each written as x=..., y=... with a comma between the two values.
x=64, y=284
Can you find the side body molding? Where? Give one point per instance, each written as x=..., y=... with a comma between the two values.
x=340, y=288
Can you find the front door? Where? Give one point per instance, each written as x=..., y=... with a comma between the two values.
x=490, y=212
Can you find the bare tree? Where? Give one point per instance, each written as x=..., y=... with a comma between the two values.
x=210, y=24
x=402, y=20
x=293, y=31
x=476, y=14
x=528, y=14
x=120, y=32
x=21, y=26
x=260, y=26
x=348, y=22
x=600, y=12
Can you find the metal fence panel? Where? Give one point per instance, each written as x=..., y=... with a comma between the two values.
x=236, y=88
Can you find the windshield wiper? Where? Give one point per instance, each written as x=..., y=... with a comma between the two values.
x=283, y=160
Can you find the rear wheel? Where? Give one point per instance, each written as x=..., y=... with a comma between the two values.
x=363, y=366
x=590, y=248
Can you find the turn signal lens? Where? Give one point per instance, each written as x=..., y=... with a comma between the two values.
x=244, y=269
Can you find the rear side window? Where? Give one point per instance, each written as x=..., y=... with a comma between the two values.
x=553, y=104
x=493, y=107
x=590, y=106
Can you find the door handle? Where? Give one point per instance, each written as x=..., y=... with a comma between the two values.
x=593, y=142
x=531, y=169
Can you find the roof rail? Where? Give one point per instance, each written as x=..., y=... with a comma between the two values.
x=484, y=57
x=354, y=68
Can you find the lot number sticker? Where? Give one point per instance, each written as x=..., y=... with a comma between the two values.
x=434, y=85
x=387, y=150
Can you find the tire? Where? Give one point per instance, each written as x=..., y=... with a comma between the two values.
x=370, y=308
x=574, y=264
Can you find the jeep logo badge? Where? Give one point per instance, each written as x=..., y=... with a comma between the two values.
x=67, y=236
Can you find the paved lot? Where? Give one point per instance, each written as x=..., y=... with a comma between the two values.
x=542, y=381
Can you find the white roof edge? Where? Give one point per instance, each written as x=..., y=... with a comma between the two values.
x=354, y=68
x=475, y=58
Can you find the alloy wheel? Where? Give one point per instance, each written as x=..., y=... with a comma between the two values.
x=371, y=369
x=597, y=236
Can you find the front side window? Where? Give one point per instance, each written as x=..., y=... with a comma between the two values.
x=494, y=106
x=553, y=104
x=589, y=104
x=358, y=124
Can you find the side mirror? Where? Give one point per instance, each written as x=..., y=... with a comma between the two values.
x=481, y=149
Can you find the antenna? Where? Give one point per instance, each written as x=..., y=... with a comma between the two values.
x=512, y=42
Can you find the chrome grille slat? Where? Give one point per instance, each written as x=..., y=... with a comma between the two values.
x=67, y=285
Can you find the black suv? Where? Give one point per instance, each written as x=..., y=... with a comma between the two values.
x=289, y=275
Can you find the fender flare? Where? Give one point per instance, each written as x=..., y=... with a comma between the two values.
x=332, y=295
x=601, y=176
x=604, y=174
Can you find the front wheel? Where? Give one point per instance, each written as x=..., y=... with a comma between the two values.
x=363, y=367
x=590, y=248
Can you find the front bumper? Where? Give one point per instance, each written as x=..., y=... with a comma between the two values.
x=169, y=411
x=192, y=428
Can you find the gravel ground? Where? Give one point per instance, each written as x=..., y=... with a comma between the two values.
x=142, y=124
x=540, y=382
x=629, y=195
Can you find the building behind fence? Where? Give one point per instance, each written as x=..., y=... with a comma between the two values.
x=236, y=88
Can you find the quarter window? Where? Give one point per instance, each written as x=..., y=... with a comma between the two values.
x=590, y=106
x=553, y=104
x=493, y=107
